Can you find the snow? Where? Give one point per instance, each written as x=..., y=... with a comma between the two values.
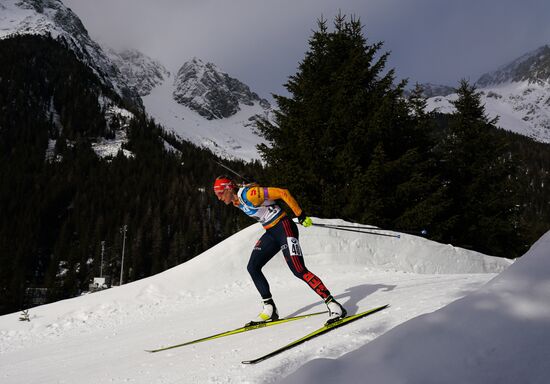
x=521, y=107
x=498, y=334
x=16, y=18
x=101, y=337
x=233, y=137
x=110, y=147
x=141, y=72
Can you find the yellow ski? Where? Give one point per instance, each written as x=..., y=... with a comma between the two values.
x=238, y=330
x=318, y=332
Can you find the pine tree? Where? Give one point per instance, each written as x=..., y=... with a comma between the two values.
x=480, y=177
x=422, y=193
x=344, y=140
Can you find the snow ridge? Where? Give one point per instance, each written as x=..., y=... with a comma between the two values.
x=498, y=334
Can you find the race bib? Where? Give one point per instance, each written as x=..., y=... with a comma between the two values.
x=294, y=246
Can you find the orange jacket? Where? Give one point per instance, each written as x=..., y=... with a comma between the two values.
x=259, y=203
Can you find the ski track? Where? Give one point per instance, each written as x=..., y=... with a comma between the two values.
x=108, y=346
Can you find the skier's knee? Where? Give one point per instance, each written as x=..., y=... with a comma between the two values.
x=299, y=275
x=253, y=268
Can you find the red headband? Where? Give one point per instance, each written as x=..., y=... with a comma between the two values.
x=223, y=183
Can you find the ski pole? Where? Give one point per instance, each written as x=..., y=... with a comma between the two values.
x=344, y=228
x=422, y=232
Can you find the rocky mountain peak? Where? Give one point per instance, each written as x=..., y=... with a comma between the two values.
x=53, y=18
x=533, y=67
x=433, y=90
x=213, y=94
x=141, y=72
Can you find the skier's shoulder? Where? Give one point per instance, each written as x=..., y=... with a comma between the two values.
x=246, y=188
x=253, y=192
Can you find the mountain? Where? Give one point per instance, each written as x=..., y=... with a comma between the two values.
x=533, y=67
x=206, y=106
x=52, y=18
x=205, y=89
x=200, y=103
x=518, y=93
x=433, y=90
x=57, y=100
x=140, y=72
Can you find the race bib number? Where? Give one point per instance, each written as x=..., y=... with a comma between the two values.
x=294, y=246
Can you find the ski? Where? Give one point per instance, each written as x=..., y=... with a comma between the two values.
x=324, y=329
x=237, y=331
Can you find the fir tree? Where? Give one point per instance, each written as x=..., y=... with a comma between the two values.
x=480, y=177
x=344, y=140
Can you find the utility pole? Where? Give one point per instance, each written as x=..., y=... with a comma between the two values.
x=123, y=231
x=102, y=254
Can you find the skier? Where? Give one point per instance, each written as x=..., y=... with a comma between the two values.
x=281, y=234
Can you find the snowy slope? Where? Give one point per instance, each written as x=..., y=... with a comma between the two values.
x=100, y=338
x=499, y=334
x=199, y=103
x=518, y=93
x=231, y=137
x=521, y=107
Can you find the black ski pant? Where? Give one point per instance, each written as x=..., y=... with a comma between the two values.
x=283, y=236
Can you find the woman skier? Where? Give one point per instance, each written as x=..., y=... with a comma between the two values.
x=281, y=234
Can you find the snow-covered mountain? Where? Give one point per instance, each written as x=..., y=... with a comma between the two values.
x=201, y=103
x=433, y=90
x=140, y=72
x=52, y=17
x=213, y=94
x=101, y=337
x=533, y=67
x=519, y=93
x=206, y=106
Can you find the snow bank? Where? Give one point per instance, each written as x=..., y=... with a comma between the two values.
x=499, y=334
x=407, y=254
x=222, y=268
x=101, y=337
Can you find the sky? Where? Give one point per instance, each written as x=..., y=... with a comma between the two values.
x=262, y=42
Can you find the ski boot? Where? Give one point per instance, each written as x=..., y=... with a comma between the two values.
x=269, y=313
x=335, y=310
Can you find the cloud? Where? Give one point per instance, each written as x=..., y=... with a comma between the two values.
x=262, y=42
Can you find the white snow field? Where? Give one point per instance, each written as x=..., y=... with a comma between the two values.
x=498, y=334
x=232, y=137
x=102, y=337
